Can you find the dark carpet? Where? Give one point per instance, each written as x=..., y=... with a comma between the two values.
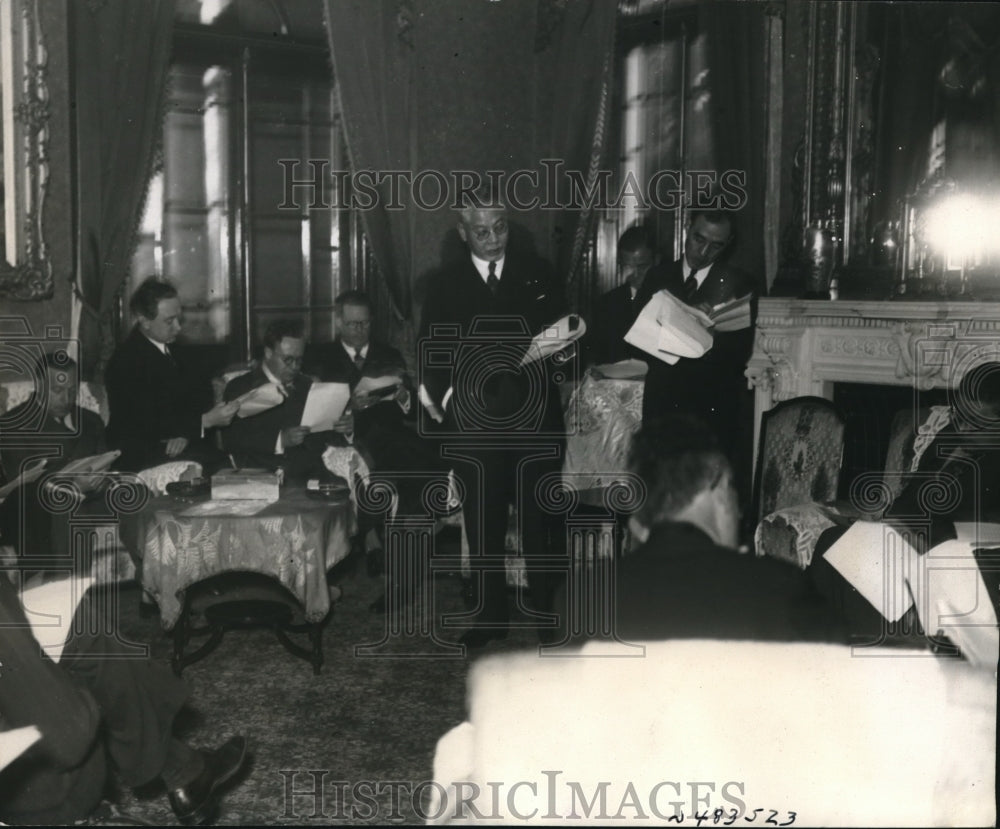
x=351, y=745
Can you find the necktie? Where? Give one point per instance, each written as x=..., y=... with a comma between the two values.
x=359, y=361
x=690, y=286
x=492, y=280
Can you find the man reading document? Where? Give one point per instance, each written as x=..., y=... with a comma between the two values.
x=276, y=437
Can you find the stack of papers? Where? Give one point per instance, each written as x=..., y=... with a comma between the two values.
x=555, y=338
x=668, y=329
x=372, y=390
x=259, y=400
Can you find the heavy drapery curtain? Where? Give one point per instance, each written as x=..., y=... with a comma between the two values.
x=735, y=32
x=121, y=56
x=451, y=85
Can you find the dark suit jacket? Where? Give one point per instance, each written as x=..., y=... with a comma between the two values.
x=704, y=387
x=472, y=341
x=612, y=317
x=152, y=398
x=680, y=585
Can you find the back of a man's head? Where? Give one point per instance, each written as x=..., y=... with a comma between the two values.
x=677, y=458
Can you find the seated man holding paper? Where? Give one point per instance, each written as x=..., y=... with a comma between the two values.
x=956, y=484
x=48, y=433
x=84, y=701
x=284, y=419
x=707, y=385
x=161, y=409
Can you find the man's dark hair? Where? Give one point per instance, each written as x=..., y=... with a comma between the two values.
x=636, y=238
x=146, y=299
x=277, y=330
x=358, y=299
x=676, y=457
x=980, y=384
x=713, y=216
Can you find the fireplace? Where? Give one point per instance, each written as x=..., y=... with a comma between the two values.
x=804, y=347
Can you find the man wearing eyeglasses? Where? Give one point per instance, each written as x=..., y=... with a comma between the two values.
x=707, y=387
x=502, y=422
x=274, y=438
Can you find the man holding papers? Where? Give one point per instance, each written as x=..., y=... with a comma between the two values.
x=503, y=419
x=37, y=438
x=276, y=437
x=101, y=703
x=709, y=385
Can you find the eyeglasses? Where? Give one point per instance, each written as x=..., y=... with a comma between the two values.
x=290, y=361
x=357, y=325
x=482, y=234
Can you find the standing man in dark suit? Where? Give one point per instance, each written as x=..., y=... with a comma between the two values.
x=616, y=310
x=275, y=437
x=159, y=411
x=708, y=387
x=502, y=423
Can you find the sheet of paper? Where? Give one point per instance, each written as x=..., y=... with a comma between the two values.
x=325, y=405
x=92, y=463
x=259, y=400
x=952, y=599
x=978, y=533
x=15, y=742
x=226, y=507
x=877, y=561
x=554, y=338
x=50, y=608
x=622, y=370
x=645, y=335
x=32, y=472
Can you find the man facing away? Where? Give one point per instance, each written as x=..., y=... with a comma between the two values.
x=616, y=310
x=159, y=410
x=275, y=437
x=687, y=579
x=503, y=423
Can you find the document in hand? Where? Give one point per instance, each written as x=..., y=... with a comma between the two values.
x=50, y=608
x=668, y=329
x=952, y=600
x=259, y=400
x=878, y=561
x=325, y=405
x=731, y=316
x=91, y=463
x=372, y=390
x=554, y=338
x=15, y=742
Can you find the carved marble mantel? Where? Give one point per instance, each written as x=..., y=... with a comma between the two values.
x=805, y=346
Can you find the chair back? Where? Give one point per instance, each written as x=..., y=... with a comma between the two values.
x=801, y=454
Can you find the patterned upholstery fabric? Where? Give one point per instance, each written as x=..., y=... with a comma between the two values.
x=801, y=452
x=790, y=534
x=92, y=396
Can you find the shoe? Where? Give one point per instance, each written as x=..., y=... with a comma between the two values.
x=480, y=637
x=194, y=803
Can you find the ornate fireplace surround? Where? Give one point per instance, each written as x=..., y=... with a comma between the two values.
x=805, y=346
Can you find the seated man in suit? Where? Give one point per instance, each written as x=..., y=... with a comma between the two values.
x=275, y=437
x=707, y=387
x=99, y=702
x=52, y=426
x=615, y=311
x=384, y=423
x=687, y=580
x=160, y=410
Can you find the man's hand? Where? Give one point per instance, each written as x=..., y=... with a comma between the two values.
x=220, y=415
x=293, y=436
x=175, y=446
x=345, y=426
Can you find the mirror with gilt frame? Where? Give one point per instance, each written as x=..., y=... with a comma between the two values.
x=25, y=268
